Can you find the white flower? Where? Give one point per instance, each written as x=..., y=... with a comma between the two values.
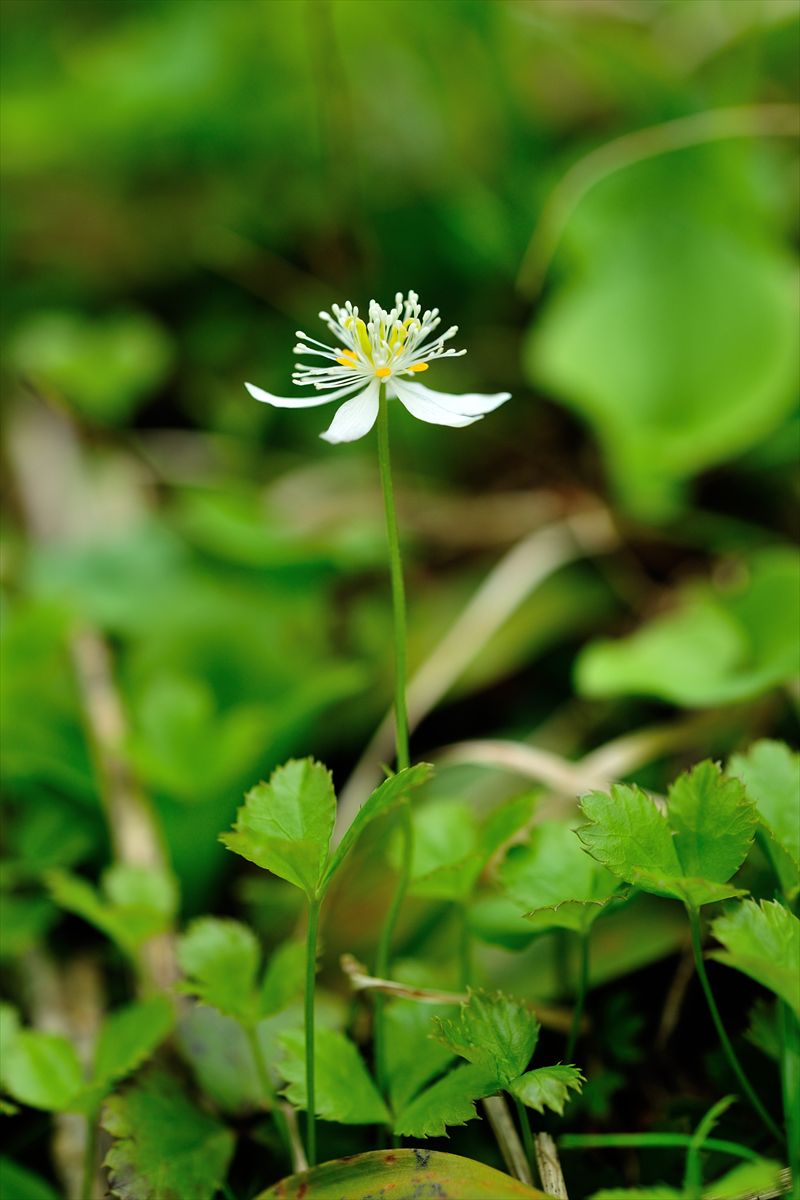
x=390, y=348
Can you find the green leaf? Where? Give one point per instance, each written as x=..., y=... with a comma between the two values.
x=762, y=1178
x=447, y=858
x=344, y=1089
x=687, y=854
x=656, y=1192
x=217, y=1050
x=673, y=333
x=220, y=958
x=164, y=1148
x=763, y=941
x=284, y=978
x=42, y=1070
x=285, y=825
x=492, y=1031
x=129, y=1036
x=391, y=792
x=713, y=823
x=10, y=1026
x=18, y=1183
x=547, y=1087
x=720, y=645
x=132, y=904
x=402, y=1173
x=555, y=881
x=770, y=772
x=412, y=1056
x=450, y=1101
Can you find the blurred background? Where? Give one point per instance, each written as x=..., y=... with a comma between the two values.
x=603, y=195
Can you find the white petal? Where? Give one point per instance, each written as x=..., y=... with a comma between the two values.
x=313, y=401
x=471, y=404
x=424, y=409
x=355, y=418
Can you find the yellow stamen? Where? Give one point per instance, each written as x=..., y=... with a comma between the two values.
x=347, y=358
x=417, y=367
x=383, y=372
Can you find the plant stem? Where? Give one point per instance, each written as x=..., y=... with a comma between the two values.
x=89, y=1156
x=267, y=1090
x=730, y=1054
x=580, y=996
x=645, y=1141
x=311, y=979
x=790, y=1081
x=527, y=1136
x=402, y=756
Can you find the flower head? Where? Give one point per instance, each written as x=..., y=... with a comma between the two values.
x=391, y=348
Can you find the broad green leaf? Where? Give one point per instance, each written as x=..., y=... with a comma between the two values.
x=628, y=833
x=447, y=858
x=763, y=941
x=770, y=772
x=505, y=821
x=344, y=1089
x=128, y=1037
x=402, y=1173
x=165, y=1148
x=449, y=1101
x=284, y=978
x=132, y=904
x=285, y=825
x=713, y=823
x=391, y=792
x=219, y=1055
x=762, y=1178
x=656, y=1192
x=719, y=645
x=413, y=1058
x=10, y=1026
x=552, y=878
x=18, y=1183
x=673, y=333
x=220, y=958
x=547, y=1087
x=493, y=1031
x=687, y=854
x=42, y=1070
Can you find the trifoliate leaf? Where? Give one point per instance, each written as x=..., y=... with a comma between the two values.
x=132, y=904
x=285, y=825
x=220, y=958
x=284, y=978
x=770, y=772
x=391, y=792
x=554, y=882
x=128, y=1037
x=42, y=1070
x=493, y=1031
x=763, y=941
x=690, y=852
x=713, y=823
x=18, y=1183
x=413, y=1058
x=547, y=1087
x=450, y=1101
x=344, y=1090
x=165, y=1147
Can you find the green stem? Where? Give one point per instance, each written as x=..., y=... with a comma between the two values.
x=527, y=1136
x=464, y=947
x=725, y=1042
x=89, y=1156
x=790, y=1081
x=267, y=1090
x=645, y=1141
x=311, y=980
x=403, y=760
x=580, y=996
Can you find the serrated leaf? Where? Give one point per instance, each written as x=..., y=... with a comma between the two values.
x=492, y=1031
x=42, y=1070
x=770, y=772
x=284, y=978
x=344, y=1090
x=18, y=1183
x=390, y=793
x=165, y=1148
x=763, y=941
x=713, y=822
x=762, y=1178
x=450, y=1101
x=555, y=881
x=129, y=1036
x=547, y=1087
x=412, y=1056
x=690, y=852
x=402, y=1173
x=285, y=825
x=220, y=958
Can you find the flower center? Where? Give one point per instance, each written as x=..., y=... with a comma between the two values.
x=388, y=349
